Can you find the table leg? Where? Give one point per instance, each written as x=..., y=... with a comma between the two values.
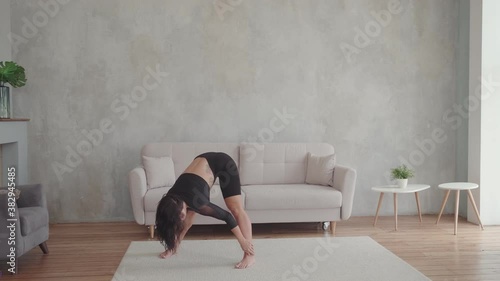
x=418, y=207
x=396, y=211
x=457, y=200
x=471, y=198
x=378, y=207
x=442, y=205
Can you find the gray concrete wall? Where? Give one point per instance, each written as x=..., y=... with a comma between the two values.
x=5, y=53
x=375, y=85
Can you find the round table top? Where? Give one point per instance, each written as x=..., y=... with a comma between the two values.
x=458, y=185
x=396, y=189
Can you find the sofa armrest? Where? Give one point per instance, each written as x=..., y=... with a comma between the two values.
x=344, y=180
x=138, y=187
x=31, y=196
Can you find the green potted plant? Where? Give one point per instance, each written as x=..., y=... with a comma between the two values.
x=401, y=174
x=13, y=74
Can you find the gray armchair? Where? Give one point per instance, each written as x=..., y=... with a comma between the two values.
x=32, y=224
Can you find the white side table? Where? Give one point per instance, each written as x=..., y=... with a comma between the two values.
x=394, y=189
x=457, y=186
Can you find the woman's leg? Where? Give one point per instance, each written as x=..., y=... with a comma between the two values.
x=235, y=205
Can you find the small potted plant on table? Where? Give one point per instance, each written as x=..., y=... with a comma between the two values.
x=401, y=174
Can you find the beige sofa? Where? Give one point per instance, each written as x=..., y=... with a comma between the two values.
x=273, y=178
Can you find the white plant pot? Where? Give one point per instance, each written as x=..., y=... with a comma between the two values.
x=402, y=183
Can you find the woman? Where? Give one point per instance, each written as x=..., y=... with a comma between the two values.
x=190, y=194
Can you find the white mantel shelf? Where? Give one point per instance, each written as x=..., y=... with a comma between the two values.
x=14, y=142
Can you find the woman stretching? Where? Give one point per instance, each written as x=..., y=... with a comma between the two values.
x=190, y=195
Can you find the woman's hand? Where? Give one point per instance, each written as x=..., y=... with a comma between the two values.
x=166, y=254
x=247, y=247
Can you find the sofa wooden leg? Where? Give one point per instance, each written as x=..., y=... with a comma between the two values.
x=152, y=231
x=44, y=247
x=333, y=225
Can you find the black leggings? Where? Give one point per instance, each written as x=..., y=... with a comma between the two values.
x=224, y=168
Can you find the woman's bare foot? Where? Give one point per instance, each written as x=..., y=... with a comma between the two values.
x=247, y=261
x=165, y=254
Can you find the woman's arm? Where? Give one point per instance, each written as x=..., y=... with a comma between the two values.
x=188, y=222
x=245, y=244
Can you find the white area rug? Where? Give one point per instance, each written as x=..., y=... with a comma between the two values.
x=318, y=259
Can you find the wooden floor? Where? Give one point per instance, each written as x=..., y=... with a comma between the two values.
x=93, y=251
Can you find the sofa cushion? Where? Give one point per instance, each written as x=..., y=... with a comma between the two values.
x=277, y=163
x=320, y=169
x=153, y=196
x=159, y=171
x=32, y=219
x=291, y=196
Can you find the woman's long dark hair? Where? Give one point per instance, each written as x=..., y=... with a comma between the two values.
x=168, y=221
